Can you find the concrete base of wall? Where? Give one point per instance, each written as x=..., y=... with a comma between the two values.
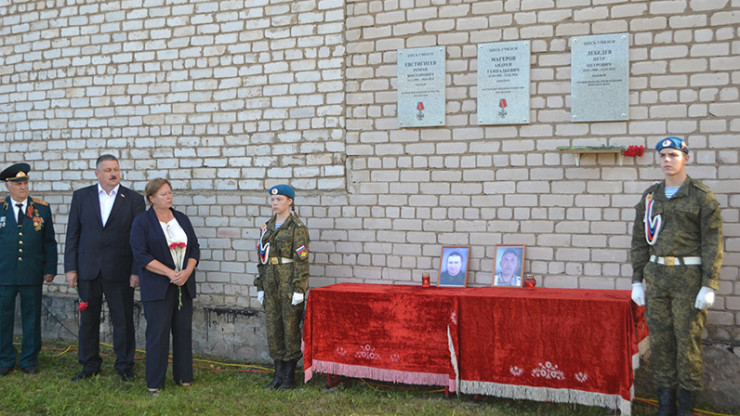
x=234, y=334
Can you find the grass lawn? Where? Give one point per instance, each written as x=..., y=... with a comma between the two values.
x=236, y=389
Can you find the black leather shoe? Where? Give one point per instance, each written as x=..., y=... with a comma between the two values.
x=5, y=370
x=127, y=375
x=31, y=369
x=83, y=375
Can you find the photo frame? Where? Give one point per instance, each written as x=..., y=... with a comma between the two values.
x=508, y=265
x=453, y=266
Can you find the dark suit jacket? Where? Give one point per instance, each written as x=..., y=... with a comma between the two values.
x=34, y=244
x=149, y=243
x=91, y=248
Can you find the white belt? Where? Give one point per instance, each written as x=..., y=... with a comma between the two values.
x=280, y=260
x=676, y=261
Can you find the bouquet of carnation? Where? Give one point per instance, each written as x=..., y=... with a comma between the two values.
x=178, y=255
x=81, y=305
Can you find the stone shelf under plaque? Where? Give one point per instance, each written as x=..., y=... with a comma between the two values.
x=582, y=150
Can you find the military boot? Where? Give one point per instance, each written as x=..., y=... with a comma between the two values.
x=686, y=401
x=289, y=375
x=666, y=402
x=278, y=378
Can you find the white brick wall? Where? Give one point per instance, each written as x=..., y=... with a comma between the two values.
x=228, y=98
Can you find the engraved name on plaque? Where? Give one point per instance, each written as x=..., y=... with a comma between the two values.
x=421, y=87
x=503, y=82
x=599, y=89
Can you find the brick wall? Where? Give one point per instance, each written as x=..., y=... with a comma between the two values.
x=227, y=98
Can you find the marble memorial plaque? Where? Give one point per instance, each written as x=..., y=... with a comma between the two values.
x=599, y=89
x=503, y=82
x=421, y=87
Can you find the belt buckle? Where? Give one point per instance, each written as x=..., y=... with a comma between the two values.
x=670, y=261
x=273, y=260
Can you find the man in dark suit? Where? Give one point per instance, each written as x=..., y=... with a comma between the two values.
x=98, y=259
x=28, y=256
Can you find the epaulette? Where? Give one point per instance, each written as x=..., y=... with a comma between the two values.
x=651, y=188
x=297, y=221
x=700, y=185
x=40, y=202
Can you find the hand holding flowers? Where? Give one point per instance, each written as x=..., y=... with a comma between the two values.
x=178, y=255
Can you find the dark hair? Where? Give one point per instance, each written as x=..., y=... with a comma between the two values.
x=153, y=186
x=454, y=253
x=512, y=251
x=103, y=158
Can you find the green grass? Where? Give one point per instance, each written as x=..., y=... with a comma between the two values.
x=236, y=389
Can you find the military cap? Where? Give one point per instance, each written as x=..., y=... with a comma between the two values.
x=672, y=142
x=16, y=173
x=283, y=189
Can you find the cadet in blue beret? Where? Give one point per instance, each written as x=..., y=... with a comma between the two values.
x=28, y=257
x=282, y=283
x=672, y=142
x=677, y=251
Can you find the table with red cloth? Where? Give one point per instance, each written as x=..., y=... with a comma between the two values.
x=561, y=345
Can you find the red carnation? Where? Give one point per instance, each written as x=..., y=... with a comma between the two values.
x=82, y=306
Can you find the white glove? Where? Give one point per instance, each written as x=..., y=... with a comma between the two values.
x=297, y=298
x=261, y=297
x=705, y=298
x=638, y=294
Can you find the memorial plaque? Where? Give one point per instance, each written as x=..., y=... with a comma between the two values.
x=503, y=82
x=421, y=87
x=599, y=89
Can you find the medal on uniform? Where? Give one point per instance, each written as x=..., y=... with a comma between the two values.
x=264, y=249
x=652, y=224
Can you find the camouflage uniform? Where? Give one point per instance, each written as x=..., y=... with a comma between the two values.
x=692, y=227
x=279, y=280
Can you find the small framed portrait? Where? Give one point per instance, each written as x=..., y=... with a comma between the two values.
x=453, y=266
x=508, y=267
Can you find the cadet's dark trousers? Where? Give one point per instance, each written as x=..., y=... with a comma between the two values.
x=283, y=319
x=163, y=317
x=675, y=325
x=31, y=318
x=120, y=298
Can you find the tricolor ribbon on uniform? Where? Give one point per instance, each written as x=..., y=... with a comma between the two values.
x=652, y=224
x=264, y=249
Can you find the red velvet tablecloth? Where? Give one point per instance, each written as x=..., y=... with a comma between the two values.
x=561, y=345
x=382, y=332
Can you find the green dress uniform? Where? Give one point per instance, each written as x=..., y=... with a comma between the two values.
x=685, y=255
x=27, y=252
x=283, y=270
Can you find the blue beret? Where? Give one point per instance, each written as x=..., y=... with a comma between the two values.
x=283, y=189
x=16, y=173
x=674, y=143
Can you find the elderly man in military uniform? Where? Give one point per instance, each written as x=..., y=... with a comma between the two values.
x=677, y=251
x=28, y=256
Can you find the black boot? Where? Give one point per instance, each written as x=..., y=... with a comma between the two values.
x=686, y=401
x=289, y=375
x=666, y=402
x=277, y=379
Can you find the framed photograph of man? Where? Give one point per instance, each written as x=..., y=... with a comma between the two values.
x=453, y=266
x=508, y=267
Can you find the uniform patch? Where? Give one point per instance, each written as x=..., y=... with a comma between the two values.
x=302, y=251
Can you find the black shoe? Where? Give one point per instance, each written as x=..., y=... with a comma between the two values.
x=666, y=402
x=288, y=375
x=127, y=375
x=84, y=374
x=31, y=369
x=277, y=379
x=5, y=370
